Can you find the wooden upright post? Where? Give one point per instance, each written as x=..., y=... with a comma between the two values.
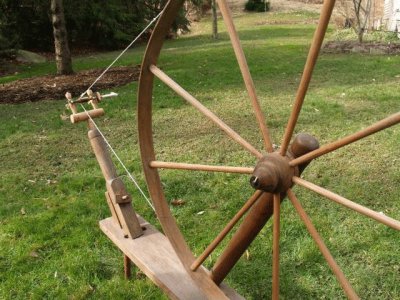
x=118, y=198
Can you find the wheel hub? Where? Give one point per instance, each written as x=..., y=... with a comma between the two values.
x=273, y=174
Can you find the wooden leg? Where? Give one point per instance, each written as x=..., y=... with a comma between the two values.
x=127, y=267
x=225, y=231
x=247, y=232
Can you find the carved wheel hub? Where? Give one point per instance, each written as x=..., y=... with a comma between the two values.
x=273, y=173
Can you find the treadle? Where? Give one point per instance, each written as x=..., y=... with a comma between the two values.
x=153, y=254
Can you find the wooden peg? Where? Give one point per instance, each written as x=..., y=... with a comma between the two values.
x=83, y=116
x=93, y=99
x=90, y=94
x=117, y=191
x=99, y=97
x=71, y=105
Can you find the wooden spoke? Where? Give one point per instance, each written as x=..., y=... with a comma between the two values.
x=275, y=247
x=351, y=294
x=350, y=204
x=225, y=231
x=200, y=107
x=197, y=167
x=244, y=68
x=378, y=126
x=319, y=34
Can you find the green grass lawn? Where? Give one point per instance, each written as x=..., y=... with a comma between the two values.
x=52, y=191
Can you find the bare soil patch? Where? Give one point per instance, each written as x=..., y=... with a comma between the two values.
x=366, y=48
x=293, y=5
x=287, y=22
x=52, y=87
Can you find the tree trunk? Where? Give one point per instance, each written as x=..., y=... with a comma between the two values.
x=362, y=16
x=63, y=55
x=360, y=35
x=214, y=19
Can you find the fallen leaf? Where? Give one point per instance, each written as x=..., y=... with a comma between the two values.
x=200, y=212
x=34, y=254
x=140, y=275
x=178, y=202
x=23, y=212
x=64, y=117
x=247, y=254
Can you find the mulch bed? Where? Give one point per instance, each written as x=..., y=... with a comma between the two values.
x=356, y=47
x=52, y=87
x=286, y=22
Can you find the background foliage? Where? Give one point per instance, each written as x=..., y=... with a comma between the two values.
x=257, y=5
x=98, y=24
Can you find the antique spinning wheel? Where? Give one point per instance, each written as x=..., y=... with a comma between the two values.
x=274, y=173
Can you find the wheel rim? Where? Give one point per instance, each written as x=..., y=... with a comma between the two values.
x=164, y=215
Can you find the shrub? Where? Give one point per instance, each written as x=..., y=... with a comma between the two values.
x=257, y=5
x=6, y=48
x=348, y=34
x=96, y=24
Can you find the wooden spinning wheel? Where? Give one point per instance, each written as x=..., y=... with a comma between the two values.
x=272, y=177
